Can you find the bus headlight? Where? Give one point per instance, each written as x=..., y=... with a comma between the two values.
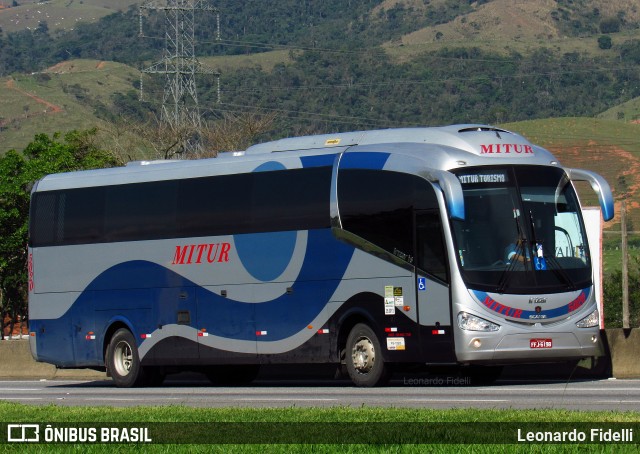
x=473, y=323
x=591, y=320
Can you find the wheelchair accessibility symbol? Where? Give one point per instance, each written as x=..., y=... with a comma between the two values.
x=422, y=284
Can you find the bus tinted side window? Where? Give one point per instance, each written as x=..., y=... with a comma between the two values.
x=47, y=229
x=255, y=202
x=219, y=205
x=215, y=205
x=379, y=206
x=291, y=199
x=81, y=215
x=140, y=211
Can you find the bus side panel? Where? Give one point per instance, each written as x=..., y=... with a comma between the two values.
x=324, y=345
x=226, y=325
x=381, y=294
x=175, y=315
x=52, y=337
x=435, y=321
x=84, y=331
x=133, y=308
x=53, y=341
x=397, y=331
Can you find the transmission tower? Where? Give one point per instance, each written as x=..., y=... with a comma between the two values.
x=180, y=109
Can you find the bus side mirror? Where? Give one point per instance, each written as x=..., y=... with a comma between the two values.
x=600, y=187
x=452, y=190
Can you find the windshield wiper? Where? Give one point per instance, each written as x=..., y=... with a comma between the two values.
x=561, y=273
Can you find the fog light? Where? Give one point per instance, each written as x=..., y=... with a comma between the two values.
x=476, y=343
x=594, y=339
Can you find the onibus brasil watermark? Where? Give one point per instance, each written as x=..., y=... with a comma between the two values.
x=41, y=433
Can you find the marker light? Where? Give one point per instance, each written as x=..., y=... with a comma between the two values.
x=591, y=320
x=473, y=323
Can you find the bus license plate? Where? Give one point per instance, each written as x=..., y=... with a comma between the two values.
x=541, y=343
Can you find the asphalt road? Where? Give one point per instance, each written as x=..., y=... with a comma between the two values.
x=605, y=394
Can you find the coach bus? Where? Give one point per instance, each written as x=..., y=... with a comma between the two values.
x=460, y=246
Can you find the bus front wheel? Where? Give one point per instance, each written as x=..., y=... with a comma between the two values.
x=123, y=361
x=364, y=361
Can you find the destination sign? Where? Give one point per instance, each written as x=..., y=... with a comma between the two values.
x=483, y=178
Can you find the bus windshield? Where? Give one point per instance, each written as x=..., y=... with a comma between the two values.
x=523, y=231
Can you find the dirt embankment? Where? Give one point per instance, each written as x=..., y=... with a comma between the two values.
x=50, y=108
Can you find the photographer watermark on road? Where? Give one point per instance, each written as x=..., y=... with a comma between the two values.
x=437, y=381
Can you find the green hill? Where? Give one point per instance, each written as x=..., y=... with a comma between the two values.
x=58, y=14
x=627, y=111
x=64, y=97
x=506, y=26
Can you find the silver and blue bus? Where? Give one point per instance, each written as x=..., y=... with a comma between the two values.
x=460, y=246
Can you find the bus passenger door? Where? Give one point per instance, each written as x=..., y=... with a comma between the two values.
x=433, y=289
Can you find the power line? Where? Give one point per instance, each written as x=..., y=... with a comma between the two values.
x=180, y=107
x=405, y=82
x=315, y=115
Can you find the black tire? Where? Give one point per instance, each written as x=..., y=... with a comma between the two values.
x=363, y=358
x=123, y=361
x=232, y=375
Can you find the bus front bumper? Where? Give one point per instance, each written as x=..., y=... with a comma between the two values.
x=528, y=347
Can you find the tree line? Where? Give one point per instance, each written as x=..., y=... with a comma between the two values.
x=322, y=92
x=18, y=172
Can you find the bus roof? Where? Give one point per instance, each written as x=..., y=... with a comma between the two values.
x=455, y=136
x=441, y=148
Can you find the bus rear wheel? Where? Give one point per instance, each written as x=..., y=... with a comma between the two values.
x=123, y=361
x=364, y=361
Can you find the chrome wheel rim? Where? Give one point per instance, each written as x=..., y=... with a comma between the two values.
x=123, y=358
x=363, y=355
